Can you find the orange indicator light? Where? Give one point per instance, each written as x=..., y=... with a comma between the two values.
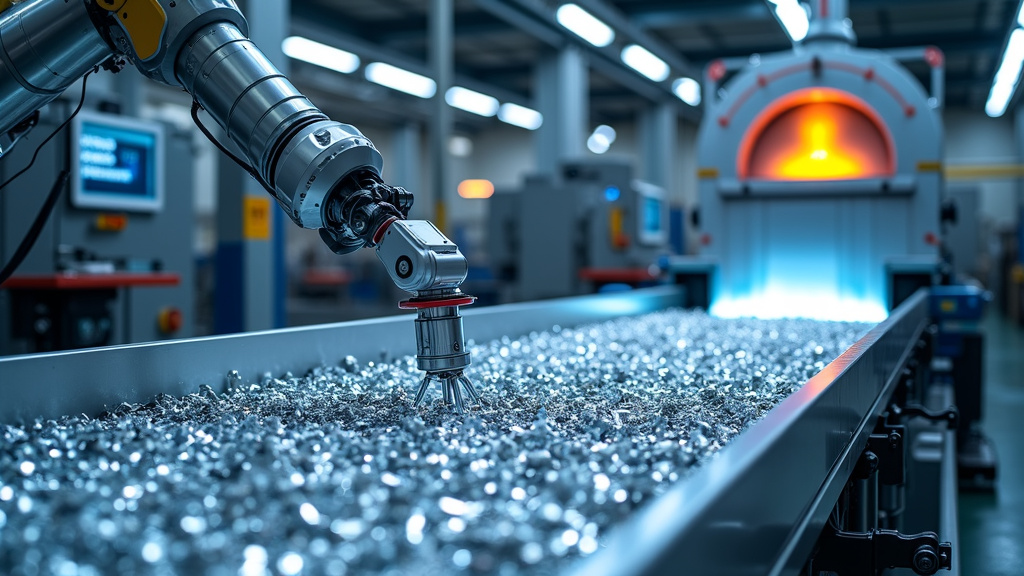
x=476, y=189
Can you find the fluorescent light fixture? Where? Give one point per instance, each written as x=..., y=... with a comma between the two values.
x=793, y=17
x=601, y=140
x=585, y=25
x=401, y=80
x=322, y=55
x=1020, y=16
x=471, y=101
x=688, y=90
x=1007, y=77
x=643, y=61
x=521, y=116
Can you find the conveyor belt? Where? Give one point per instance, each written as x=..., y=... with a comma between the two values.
x=337, y=473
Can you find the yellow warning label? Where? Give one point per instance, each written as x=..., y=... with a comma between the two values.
x=256, y=218
x=948, y=306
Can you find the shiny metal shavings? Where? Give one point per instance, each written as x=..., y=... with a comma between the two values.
x=336, y=473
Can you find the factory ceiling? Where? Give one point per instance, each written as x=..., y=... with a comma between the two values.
x=498, y=42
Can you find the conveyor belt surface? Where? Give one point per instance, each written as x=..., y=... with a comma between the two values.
x=334, y=472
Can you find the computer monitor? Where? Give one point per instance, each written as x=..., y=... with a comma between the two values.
x=652, y=215
x=117, y=163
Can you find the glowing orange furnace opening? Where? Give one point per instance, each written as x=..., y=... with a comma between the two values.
x=816, y=134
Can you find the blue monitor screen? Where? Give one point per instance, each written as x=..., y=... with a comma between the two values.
x=117, y=165
x=652, y=215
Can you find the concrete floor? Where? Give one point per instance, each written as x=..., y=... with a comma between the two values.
x=992, y=525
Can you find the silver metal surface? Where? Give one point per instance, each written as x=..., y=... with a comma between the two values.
x=288, y=140
x=759, y=507
x=440, y=340
x=46, y=47
x=829, y=22
x=581, y=427
x=183, y=19
x=949, y=524
x=87, y=381
x=441, y=351
x=419, y=257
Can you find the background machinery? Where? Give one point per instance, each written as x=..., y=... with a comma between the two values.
x=593, y=222
x=113, y=263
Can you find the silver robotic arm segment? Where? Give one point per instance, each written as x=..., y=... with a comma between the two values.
x=420, y=259
x=45, y=47
x=423, y=261
x=325, y=174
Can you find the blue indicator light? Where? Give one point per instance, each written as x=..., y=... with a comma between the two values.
x=612, y=193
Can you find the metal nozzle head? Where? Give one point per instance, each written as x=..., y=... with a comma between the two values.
x=441, y=352
x=440, y=341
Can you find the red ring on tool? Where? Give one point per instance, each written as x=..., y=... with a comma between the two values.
x=379, y=234
x=414, y=304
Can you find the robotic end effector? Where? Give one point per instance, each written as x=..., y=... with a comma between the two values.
x=364, y=211
x=421, y=260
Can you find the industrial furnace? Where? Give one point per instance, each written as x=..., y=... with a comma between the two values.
x=820, y=178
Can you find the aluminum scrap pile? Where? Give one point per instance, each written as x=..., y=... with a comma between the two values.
x=336, y=473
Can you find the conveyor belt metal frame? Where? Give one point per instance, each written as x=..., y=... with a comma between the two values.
x=89, y=381
x=757, y=508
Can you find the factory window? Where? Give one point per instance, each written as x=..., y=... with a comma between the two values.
x=817, y=134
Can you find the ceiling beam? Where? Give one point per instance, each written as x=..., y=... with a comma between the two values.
x=949, y=43
x=617, y=20
x=666, y=14
x=324, y=32
x=536, y=15
x=466, y=25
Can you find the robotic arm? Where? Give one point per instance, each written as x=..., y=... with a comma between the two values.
x=324, y=174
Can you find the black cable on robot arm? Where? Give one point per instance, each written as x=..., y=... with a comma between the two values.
x=196, y=106
x=37, y=227
x=51, y=199
x=64, y=124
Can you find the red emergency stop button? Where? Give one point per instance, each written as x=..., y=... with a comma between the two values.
x=170, y=320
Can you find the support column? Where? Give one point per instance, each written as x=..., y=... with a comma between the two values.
x=1018, y=124
x=441, y=63
x=563, y=98
x=130, y=89
x=251, y=276
x=659, y=137
x=403, y=166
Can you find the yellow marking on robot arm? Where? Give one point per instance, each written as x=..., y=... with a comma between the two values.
x=143, y=20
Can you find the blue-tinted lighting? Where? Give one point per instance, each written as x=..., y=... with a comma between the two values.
x=820, y=306
x=612, y=193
